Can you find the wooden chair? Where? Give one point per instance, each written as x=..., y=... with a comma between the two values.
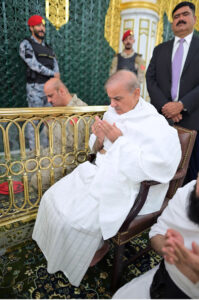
x=135, y=224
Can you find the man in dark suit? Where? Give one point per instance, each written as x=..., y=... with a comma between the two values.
x=182, y=106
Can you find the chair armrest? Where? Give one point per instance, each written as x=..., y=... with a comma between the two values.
x=179, y=174
x=142, y=196
x=91, y=157
x=138, y=204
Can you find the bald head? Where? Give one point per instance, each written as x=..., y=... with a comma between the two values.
x=54, y=83
x=126, y=78
x=56, y=92
x=123, y=90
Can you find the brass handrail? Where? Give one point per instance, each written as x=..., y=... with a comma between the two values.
x=68, y=130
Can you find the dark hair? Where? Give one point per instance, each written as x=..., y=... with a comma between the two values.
x=193, y=207
x=184, y=3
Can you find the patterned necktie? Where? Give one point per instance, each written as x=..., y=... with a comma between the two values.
x=176, y=69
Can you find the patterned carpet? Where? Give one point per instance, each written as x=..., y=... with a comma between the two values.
x=23, y=274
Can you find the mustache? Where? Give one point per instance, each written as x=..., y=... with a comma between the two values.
x=181, y=22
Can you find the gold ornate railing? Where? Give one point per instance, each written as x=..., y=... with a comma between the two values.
x=61, y=138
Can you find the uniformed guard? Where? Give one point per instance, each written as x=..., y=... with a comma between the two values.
x=41, y=65
x=128, y=58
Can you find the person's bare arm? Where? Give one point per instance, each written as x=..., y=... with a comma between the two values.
x=98, y=132
x=160, y=242
x=97, y=146
x=157, y=243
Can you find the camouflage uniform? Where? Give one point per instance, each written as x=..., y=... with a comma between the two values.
x=57, y=145
x=139, y=65
x=35, y=91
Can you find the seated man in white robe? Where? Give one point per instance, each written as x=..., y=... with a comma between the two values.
x=133, y=143
x=176, y=237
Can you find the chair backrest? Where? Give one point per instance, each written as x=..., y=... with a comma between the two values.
x=187, y=139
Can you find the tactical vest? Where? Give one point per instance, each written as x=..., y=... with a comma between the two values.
x=45, y=56
x=127, y=63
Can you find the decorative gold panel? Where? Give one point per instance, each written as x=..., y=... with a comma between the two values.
x=128, y=24
x=144, y=30
x=139, y=4
x=37, y=170
x=57, y=12
x=112, y=24
x=14, y=234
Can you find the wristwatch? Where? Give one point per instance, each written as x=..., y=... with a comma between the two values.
x=184, y=109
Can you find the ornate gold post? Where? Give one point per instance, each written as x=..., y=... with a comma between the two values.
x=57, y=12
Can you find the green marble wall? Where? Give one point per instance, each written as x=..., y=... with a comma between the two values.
x=83, y=54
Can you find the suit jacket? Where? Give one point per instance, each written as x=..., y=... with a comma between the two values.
x=158, y=78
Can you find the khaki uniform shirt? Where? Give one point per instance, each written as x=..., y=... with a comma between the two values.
x=70, y=129
x=57, y=133
x=139, y=65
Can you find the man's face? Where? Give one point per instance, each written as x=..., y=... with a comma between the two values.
x=38, y=31
x=128, y=42
x=183, y=21
x=53, y=96
x=121, y=99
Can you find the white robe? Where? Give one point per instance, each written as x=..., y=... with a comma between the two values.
x=174, y=216
x=92, y=202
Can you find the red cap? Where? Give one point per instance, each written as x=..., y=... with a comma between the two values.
x=17, y=187
x=35, y=20
x=127, y=33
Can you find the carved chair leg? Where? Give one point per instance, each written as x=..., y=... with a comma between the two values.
x=117, y=266
x=141, y=252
